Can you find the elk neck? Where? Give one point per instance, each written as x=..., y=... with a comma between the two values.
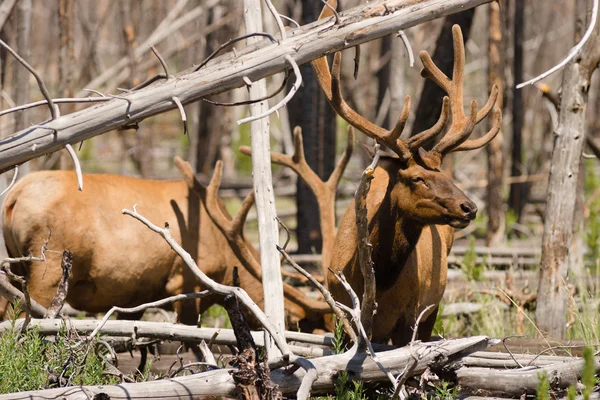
x=393, y=236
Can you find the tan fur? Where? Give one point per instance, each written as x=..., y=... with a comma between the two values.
x=117, y=261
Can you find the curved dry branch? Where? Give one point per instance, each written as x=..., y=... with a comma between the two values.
x=214, y=286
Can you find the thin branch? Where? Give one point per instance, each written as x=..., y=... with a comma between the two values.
x=54, y=111
x=145, y=306
x=308, y=380
x=355, y=311
x=574, y=51
x=230, y=42
x=214, y=286
x=408, y=371
x=245, y=102
x=77, y=165
x=277, y=17
x=182, y=112
x=60, y=296
x=335, y=13
x=162, y=62
x=326, y=294
x=290, y=19
x=14, y=179
x=409, y=50
x=284, y=101
x=365, y=262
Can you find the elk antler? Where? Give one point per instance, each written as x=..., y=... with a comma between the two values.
x=233, y=231
x=324, y=191
x=462, y=125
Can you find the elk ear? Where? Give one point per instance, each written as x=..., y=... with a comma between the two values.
x=430, y=160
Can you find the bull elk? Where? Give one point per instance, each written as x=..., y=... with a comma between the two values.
x=413, y=207
x=116, y=260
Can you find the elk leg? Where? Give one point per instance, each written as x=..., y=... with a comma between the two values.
x=426, y=326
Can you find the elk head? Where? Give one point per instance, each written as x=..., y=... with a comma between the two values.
x=417, y=185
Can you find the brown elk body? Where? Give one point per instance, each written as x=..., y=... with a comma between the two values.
x=116, y=260
x=412, y=207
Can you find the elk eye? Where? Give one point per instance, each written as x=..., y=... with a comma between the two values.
x=418, y=179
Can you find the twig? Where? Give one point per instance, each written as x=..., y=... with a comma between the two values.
x=355, y=311
x=277, y=17
x=214, y=286
x=56, y=101
x=182, y=112
x=14, y=179
x=230, y=42
x=335, y=13
x=572, y=53
x=10, y=292
x=290, y=19
x=60, y=296
x=245, y=102
x=326, y=294
x=206, y=353
x=162, y=62
x=369, y=306
x=73, y=155
x=23, y=282
x=356, y=61
x=129, y=102
x=283, y=101
x=409, y=50
x=54, y=111
x=408, y=371
x=308, y=380
x=508, y=350
x=145, y=306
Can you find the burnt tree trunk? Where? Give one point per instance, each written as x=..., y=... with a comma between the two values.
x=518, y=191
x=430, y=103
x=495, y=225
x=563, y=184
x=310, y=110
x=214, y=123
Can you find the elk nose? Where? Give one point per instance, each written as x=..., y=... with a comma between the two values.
x=469, y=208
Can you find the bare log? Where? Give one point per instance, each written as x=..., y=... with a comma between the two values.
x=358, y=25
x=517, y=381
x=220, y=383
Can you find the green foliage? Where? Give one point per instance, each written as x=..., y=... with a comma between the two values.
x=542, y=391
x=215, y=316
x=588, y=375
x=30, y=362
x=571, y=393
x=339, y=336
x=472, y=270
x=446, y=391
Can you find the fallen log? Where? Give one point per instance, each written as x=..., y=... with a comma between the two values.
x=521, y=380
x=219, y=383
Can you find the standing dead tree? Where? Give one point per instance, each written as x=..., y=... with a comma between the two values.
x=562, y=186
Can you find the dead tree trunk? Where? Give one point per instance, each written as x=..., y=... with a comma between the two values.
x=495, y=225
x=310, y=110
x=563, y=184
x=518, y=192
x=430, y=102
x=214, y=123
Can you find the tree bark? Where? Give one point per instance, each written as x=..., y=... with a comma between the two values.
x=430, y=102
x=310, y=110
x=518, y=191
x=495, y=203
x=563, y=187
x=358, y=25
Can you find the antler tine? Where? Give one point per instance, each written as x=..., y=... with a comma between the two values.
x=485, y=139
x=388, y=138
x=459, y=131
x=431, y=71
x=298, y=156
x=339, y=169
x=399, y=127
x=489, y=105
x=462, y=125
x=240, y=218
x=422, y=138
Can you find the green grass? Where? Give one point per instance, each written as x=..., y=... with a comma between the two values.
x=32, y=362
